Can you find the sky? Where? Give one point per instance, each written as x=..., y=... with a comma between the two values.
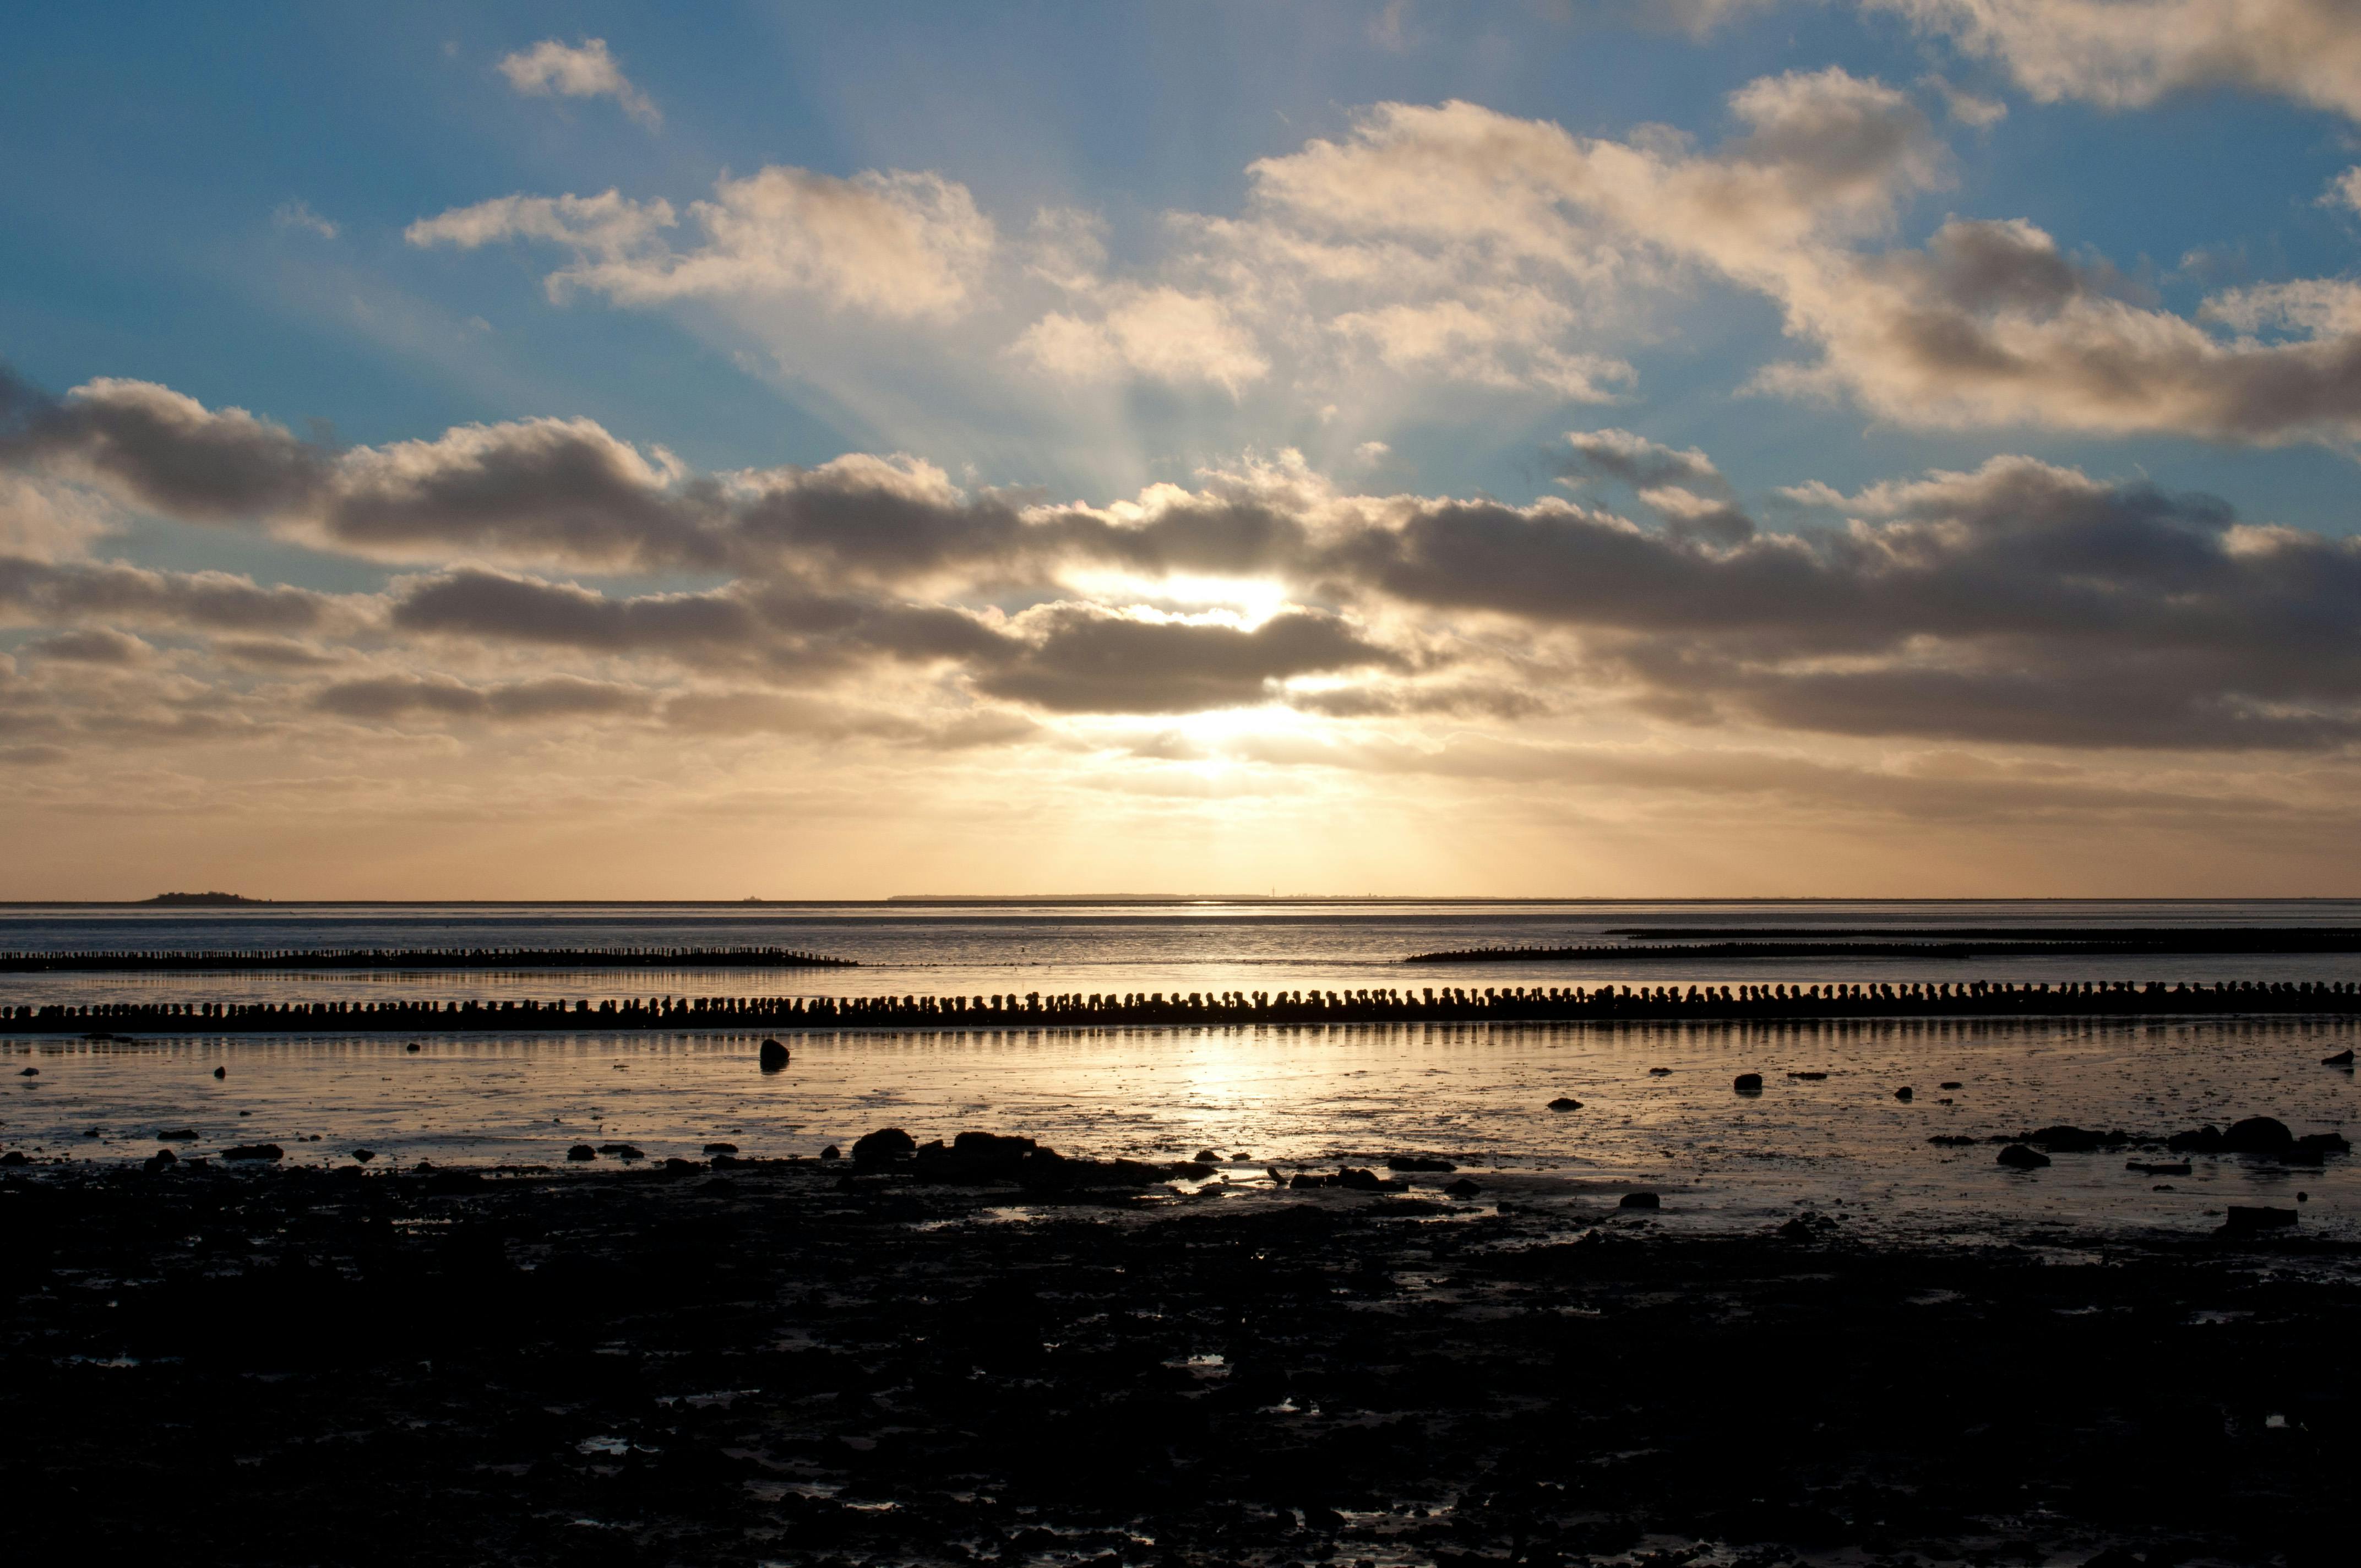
x=1618, y=448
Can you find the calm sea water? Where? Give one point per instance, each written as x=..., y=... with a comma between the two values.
x=1259, y=1096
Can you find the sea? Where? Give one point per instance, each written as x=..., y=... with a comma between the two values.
x=1657, y=1110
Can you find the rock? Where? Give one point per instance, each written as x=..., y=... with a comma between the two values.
x=2342, y=1059
x=31, y=1072
x=1809, y=1077
x=2016, y=1156
x=622, y=1151
x=972, y=1156
x=772, y=1055
x=1640, y=1201
x=674, y=1166
x=2147, y=1168
x=1303, y=1179
x=1659, y=1072
x=162, y=1159
x=1354, y=1179
x=1807, y=1228
x=883, y=1147
x=364, y=1156
x=13, y=1157
x=1748, y=1083
x=2256, y=1135
x=1418, y=1162
x=721, y=1148
x=831, y=1153
x=2203, y=1140
x=413, y=1047
x=1207, y=1157
x=2071, y=1140
x=1904, y=1093
x=255, y=1151
x=221, y=1073
x=175, y=1134
x=1463, y=1187
x=1950, y=1083
x=1566, y=1102
x=582, y=1151
x=2242, y=1222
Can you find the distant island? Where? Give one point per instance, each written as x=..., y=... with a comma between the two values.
x=182, y=899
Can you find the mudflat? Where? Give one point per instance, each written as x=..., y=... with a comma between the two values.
x=792, y=1361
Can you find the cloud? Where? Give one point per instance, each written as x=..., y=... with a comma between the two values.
x=390, y=698
x=583, y=70
x=52, y=592
x=1158, y=333
x=2126, y=54
x=299, y=215
x=2344, y=191
x=1077, y=659
x=1990, y=325
x=94, y=645
x=893, y=245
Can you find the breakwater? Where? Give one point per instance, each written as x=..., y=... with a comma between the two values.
x=414, y=958
x=1673, y=943
x=1446, y=1004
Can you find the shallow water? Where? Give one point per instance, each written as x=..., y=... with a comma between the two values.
x=980, y=951
x=1476, y=1094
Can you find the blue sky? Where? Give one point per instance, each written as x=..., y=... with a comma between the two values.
x=1070, y=296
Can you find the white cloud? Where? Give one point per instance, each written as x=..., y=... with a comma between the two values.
x=298, y=214
x=2344, y=191
x=581, y=71
x=2129, y=53
x=893, y=245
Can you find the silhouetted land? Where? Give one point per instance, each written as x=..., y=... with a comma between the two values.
x=249, y=961
x=783, y=1362
x=1079, y=1011
x=1886, y=942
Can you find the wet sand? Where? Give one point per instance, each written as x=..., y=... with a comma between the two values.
x=789, y=1362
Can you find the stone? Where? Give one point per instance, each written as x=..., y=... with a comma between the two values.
x=1566, y=1102
x=364, y=1156
x=2016, y=1156
x=1354, y=1179
x=1640, y=1201
x=2065, y=1140
x=175, y=1134
x=1952, y=1083
x=2322, y=1143
x=582, y=1151
x=831, y=1153
x=674, y=1166
x=2242, y=1222
x=2256, y=1135
x=221, y=1073
x=413, y=1047
x=721, y=1148
x=2342, y=1059
x=162, y=1159
x=1418, y=1162
x=255, y=1151
x=2149, y=1167
x=1809, y=1077
x=883, y=1147
x=31, y=1072
x=1463, y=1187
x=772, y=1055
x=1748, y=1083
x=1659, y=1072
x=13, y=1157
x=1904, y=1093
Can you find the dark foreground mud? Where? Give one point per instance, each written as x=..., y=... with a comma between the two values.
x=760, y=1366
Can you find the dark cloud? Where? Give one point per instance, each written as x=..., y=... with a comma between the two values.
x=1081, y=661
x=94, y=645
x=213, y=601
x=167, y=449
x=389, y=697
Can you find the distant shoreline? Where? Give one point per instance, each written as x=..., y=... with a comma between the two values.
x=924, y=901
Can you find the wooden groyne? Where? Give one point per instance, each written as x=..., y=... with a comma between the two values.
x=1077, y=1010
x=427, y=960
x=1987, y=942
